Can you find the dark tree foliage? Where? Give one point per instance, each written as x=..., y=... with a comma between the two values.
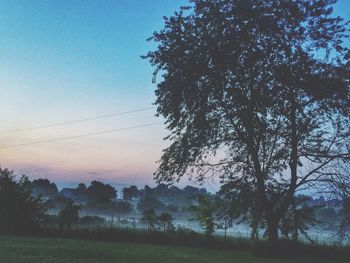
x=130, y=192
x=191, y=191
x=100, y=192
x=255, y=92
x=20, y=211
x=165, y=221
x=69, y=215
x=150, y=218
x=150, y=203
x=123, y=208
x=44, y=188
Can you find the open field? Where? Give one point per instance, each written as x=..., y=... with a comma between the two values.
x=44, y=250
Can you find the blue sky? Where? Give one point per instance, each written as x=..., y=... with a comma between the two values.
x=66, y=60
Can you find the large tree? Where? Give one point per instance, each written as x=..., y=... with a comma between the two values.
x=255, y=92
x=20, y=211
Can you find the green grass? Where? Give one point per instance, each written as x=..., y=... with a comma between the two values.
x=48, y=250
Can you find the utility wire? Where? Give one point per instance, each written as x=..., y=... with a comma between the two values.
x=76, y=121
x=82, y=135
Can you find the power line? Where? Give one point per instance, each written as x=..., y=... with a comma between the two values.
x=82, y=135
x=76, y=121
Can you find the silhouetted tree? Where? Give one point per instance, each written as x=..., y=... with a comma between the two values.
x=148, y=203
x=150, y=218
x=122, y=208
x=44, y=188
x=263, y=84
x=20, y=211
x=130, y=192
x=165, y=220
x=69, y=215
x=100, y=192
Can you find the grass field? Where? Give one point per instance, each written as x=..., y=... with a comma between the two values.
x=44, y=250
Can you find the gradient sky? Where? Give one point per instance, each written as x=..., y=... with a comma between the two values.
x=67, y=60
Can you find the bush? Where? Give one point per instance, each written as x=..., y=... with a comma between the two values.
x=20, y=211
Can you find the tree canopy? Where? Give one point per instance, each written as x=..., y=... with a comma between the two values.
x=20, y=211
x=100, y=192
x=44, y=188
x=130, y=192
x=256, y=93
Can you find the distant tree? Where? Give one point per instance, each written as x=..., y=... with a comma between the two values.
x=123, y=208
x=148, y=203
x=192, y=191
x=150, y=218
x=225, y=224
x=205, y=212
x=100, y=192
x=44, y=188
x=69, y=215
x=20, y=211
x=130, y=192
x=161, y=190
x=251, y=91
x=165, y=220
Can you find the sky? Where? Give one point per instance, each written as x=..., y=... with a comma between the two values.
x=69, y=60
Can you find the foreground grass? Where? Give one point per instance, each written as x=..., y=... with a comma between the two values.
x=49, y=250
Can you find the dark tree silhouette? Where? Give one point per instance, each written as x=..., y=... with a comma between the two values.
x=100, y=192
x=130, y=192
x=165, y=220
x=148, y=203
x=44, y=188
x=122, y=208
x=20, y=211
x=150, y=218
x=255, y=92
x=69, y=215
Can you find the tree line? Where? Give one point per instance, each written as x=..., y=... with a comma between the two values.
x=27, y=206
